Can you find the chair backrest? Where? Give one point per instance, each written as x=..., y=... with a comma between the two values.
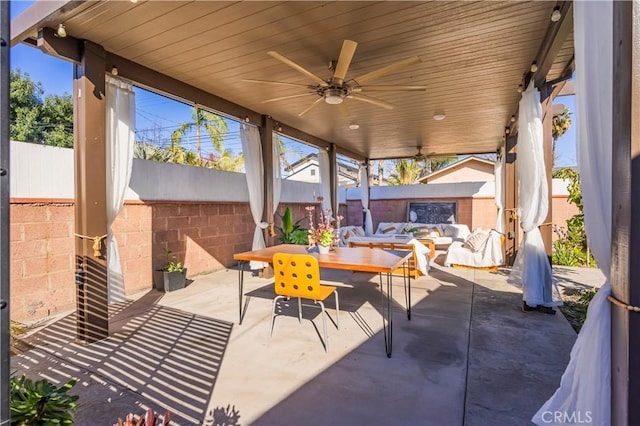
x=296, y=275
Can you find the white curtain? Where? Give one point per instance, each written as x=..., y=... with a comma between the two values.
x=120, y=138
x=364, y=197
x=254, y=170
x=498, y=171
x=531, y=268
x=325, y=180
x=586, y=383
x=277, y=178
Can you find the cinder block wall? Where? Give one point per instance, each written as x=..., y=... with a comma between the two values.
x=203, y=236
x=42, y=265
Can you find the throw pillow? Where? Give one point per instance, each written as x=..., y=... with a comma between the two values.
x=389, y=230
x=476, y=241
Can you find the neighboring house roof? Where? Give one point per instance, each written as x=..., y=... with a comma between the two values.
x=347, y=174
x=467, y=162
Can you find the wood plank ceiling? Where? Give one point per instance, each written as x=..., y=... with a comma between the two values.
x=474, y=55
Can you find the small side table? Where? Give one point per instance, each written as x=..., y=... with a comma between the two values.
x=431, y=245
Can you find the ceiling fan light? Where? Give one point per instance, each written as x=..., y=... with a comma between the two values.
x=333, y=96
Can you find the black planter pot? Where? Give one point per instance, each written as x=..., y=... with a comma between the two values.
x=169, y=281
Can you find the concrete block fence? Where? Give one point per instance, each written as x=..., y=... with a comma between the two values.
x=201, y=216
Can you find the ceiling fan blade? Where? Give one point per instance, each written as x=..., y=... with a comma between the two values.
x=389, y=69
x=310, y=106
x=298, y=68
x=281, y=98
x=389, y=88
x=346, y=55
x=344, y=109
x=372, y=101
x=281, y=83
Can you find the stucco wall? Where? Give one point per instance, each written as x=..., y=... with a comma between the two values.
x=468, y=172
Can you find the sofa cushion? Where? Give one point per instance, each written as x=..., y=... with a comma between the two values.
x=456, y=231
x=347, y=232
x=388, y=228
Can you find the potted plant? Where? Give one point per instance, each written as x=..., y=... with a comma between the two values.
x=290, y=232
x=322, y=235
x=172, y=276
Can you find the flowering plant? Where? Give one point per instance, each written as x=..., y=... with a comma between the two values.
x=324, y=232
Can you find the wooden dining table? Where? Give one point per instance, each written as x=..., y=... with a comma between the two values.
x=360, y=259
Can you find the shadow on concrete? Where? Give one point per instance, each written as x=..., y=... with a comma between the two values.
x=156, y=357
x=471, y=360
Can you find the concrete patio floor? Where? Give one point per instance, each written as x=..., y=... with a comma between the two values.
x=468, y=356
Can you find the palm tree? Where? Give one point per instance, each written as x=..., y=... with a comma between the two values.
x=437, y=163
x=407, y=172
x=227, y=161
x=380, y=171
x=561, y=124
x=215, y=126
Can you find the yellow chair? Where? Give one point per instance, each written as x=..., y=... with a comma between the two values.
x=298, y=275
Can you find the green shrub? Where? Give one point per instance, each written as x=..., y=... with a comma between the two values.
x=41, y=403
x=571, y=249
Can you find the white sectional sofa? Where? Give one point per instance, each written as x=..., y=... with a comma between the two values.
x=442, y=234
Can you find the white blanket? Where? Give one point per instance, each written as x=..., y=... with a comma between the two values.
x=490, y=254
x=422, y=251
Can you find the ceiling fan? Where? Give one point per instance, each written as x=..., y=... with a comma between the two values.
x=335, y=89
x=419, y=155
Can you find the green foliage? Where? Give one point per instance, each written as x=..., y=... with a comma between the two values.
x=586, y=296
x=171, y=265
x=41, y=403
x=326, y=238
x=57, y=120
x=570, y=249
x=576, y=305
x=561, y=123
x=47, y=120
x=290, y=231
x=406, y=172
x=216, y=128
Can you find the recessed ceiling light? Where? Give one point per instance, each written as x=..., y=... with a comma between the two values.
x=354, y=126
x=438, y=116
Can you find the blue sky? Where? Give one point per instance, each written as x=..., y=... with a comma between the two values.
x=155, y=111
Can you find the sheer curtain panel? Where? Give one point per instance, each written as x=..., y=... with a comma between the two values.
x=120, y=138
x=254, y=170
x=531, y=269
x=364, y=198
x=277, y=178
x=325, y=180
x=498, y=171
x=585, y=386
